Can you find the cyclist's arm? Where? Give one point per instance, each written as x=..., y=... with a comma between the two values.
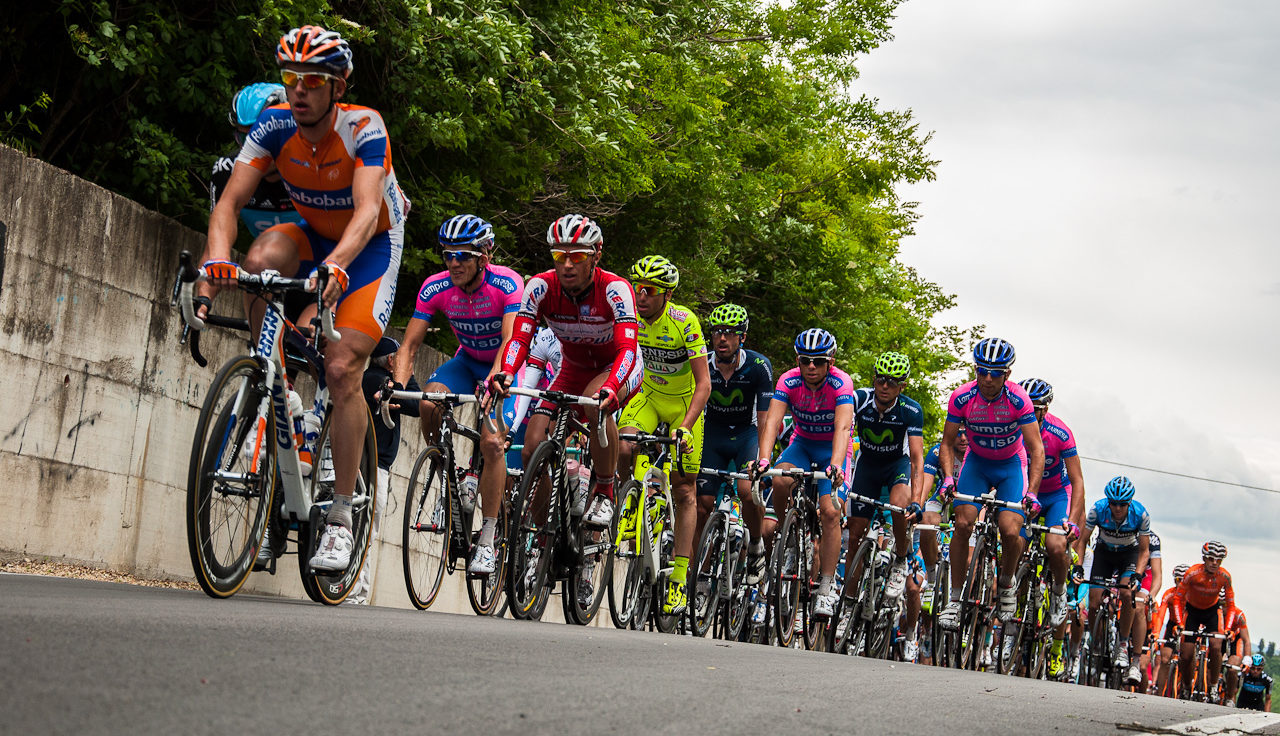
x=1157, y=572
x=224, y=219
x=532, y=375
x=764, y=392
x=366, y=193
x=1076, y=477
x=840, y=440
x=1243, y=633
x=508, y=327
x=1086, y=531
x=1144, y=554
x=701, y=391
x=915, y=447
x=408, y=352
x=769, y=429
x=946, y=454
x=1035, y=456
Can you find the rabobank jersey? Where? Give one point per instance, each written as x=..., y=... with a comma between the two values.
x=319, y=177
x=1059, y=444
x=814, y=411
x=1119, y=534
x=883, y=436
x=268, y=205
x=475, y=317
x=995, y=427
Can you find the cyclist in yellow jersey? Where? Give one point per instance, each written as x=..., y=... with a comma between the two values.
x=677, y=382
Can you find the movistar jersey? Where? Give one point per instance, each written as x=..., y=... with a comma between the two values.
x=735, y=400
x=668, y=345
x=884, y=436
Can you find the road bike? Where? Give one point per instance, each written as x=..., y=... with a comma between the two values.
x=1026, y=636
x=978, y=593
x=864, y=616
x=1101, y=642
x=791, y=592
x=644, y=535
x=440, y=528
x=721, y=593
x=1200, y=686
x=936, y=641
x=547, y=540
x=247, y=443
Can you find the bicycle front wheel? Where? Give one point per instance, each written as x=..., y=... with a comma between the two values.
x=709, y=572
x=627, y=576
x=484, y=592
x=789, y=576
x=847, y=633
x=424, y=541
x=532, y=536
x=227, y=503
x=973, y=617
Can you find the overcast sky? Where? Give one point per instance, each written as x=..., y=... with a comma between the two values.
x=1107, y=201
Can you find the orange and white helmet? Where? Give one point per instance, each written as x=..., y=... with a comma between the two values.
x=315, y=45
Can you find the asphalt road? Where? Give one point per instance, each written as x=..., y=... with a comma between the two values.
x=84, y=657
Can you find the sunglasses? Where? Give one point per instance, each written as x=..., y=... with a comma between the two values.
x=1118, y=504
x=820, y=362
x=648, y=289
x=573, y=256
x=462, y=256
x=310, y=80
x=719, y=331
x=990, y=372
x=889, y=381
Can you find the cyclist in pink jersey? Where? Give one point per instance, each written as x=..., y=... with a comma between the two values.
x=1005, y=453
x=335, y=161
x=480, y=300
x=593, y=314
x=1061, y=501
x=820, y=399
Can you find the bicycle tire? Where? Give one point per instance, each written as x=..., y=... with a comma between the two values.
x=485, y=592
x=333, y=588
x=940, y=638
x=788, y=577
x=628, y=567
x=969, y=643
x=526, y=594
x=709, y=565
x=847, y=613
x=223, y=551
x=425, y=530
x=595, y=548
x=665, y=622
x=1008, y=660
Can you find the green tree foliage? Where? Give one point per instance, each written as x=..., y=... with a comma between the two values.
x=727, y=135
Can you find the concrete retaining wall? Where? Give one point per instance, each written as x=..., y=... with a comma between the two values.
x=102, y=402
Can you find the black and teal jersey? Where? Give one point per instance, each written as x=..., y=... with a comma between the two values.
x=734, y=401
x=883, y=437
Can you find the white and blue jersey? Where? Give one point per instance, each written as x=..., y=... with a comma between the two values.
x=1114, y=534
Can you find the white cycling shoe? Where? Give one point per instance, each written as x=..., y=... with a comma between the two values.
x=484, y=561
x=334, y=553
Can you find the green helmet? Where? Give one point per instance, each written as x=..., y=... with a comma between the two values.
x=728, y=316
x=893, y=365
x=656, y=270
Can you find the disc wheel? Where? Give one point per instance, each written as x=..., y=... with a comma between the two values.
x=227, y=503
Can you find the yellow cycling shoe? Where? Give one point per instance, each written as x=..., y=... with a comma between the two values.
x=627, y=521
x=677, y=601
x=1056, y=664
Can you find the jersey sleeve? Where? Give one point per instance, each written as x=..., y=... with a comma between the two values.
x=371, y=141
x=622, y=303
x=526, y=322
x=915, y=420
x=694, y=341
x=932, y=460
x=429, y=295
x=954, y=412
x=842, y=387
x=1091, y=516
x=782, y=391
x=764, y=379
x=266, y=138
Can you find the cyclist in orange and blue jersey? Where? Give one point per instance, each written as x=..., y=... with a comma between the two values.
x=335, y=161
x=820, y=399
x=1005, y=453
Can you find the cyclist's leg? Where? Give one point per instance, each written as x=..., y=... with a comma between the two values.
x=1010, y=483
x=456, y=375
x=973, y=481
x=1215, y=646
x=604, y=458
x=684, y=485
x=639, y=415
x=745, y=446
x=1056, y=508
x=493, y=481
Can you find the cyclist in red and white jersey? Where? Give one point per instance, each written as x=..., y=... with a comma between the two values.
x=593, y=314
x=335, y=161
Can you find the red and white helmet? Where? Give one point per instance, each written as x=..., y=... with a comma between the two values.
x=575, y=230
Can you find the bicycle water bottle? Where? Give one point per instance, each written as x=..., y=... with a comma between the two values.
x=467, y=491
x=299, y=432
x=310, y=436
x=578, y=477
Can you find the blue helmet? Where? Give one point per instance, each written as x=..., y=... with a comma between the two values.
x=1258, y=660
x=992, y=352
x=249, y=102
x=1119, y=488
x=816, y=342
x=1039, y=390
x=463, y=231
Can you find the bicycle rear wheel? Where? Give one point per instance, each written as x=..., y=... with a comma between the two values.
x=532, y=544
x=227, y=504
x=664, y=622
x=848, y=632
x=333, y=588
x=424, y=543
x=1013, y=637
x=590, y=574
x=973, y=617
x=940, y=639
x=484, y=592
x=628, y=568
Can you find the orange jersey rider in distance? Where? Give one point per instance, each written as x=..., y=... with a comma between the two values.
x=1200, y=590
x=319, y=177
